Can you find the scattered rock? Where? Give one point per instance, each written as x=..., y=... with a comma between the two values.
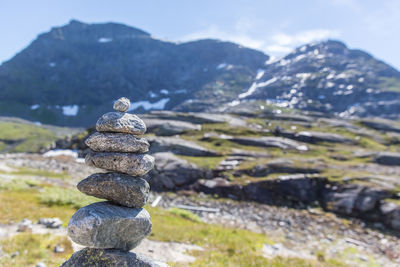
x=282, y=166
x=268, y=141
x=41, y=264
x=119, y=188
x=387, y=158
x=25, y=226
x=170, y=127
x=132, y=164
x=167, y=251
x=121, y=123
x=247, y=153
x=14, y=254
x=193, y=117
x=391, y=213
x=122, y=104
x=179, y=146
x=109, y=257
x=58, y=249
x=52, y=223
x=315, y=137
x=381, y=125
x=103, y=225
x=117, y=142
x=292, y=117
x=172, y=172
x=353, y=199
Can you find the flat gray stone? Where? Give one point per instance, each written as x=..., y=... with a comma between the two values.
x=104, y=225
x=179, y=146
x=118, y=122
x=387, y=158
x=117, y=142
x=132, y=164
x=119, y=188
x=89, y=257
x=122, y=104
x=268, y=141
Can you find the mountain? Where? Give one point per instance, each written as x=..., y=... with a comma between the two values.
x=71, y=74
x=331, y=78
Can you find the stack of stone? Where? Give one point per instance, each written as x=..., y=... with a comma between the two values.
x=110, y=229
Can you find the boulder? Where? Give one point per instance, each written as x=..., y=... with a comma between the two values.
x=132, y=164
x=353, y=199
x=119, y=188
x=315, y=137
x=391, y=214
x=179, y=146
x=292, y=117
x=299, y=188
x=381, y=125
x=117, y=142
x=387, y=158
x=172, y=172
x=121, y=123
x=52, y=223
x=91, y=257
x=170, y=127
x=269, y=141
x=281, y=166
x=104, y=225
x=193, y=117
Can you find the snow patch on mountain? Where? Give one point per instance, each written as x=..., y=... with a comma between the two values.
x=71, y=110
x=147, y=105
x=104, y=40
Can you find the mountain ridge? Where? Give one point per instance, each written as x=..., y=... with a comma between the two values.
x=70, y=74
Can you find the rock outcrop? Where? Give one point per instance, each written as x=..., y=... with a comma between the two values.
x=110, y=229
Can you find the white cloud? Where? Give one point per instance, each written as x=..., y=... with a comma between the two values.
x=215, y=32
x=277, y=44
x=284, y=43
x=280, y=49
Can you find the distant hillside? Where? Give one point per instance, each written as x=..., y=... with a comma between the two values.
x=71, y=74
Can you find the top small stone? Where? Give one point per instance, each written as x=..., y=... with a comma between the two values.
x=122, y=104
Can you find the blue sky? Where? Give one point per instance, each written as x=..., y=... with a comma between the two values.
x=274, y=27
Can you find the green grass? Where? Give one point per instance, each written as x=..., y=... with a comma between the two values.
x=20, y=137
x=65, y=197
x=37, y=172
x=223, y=246
x=185, y=214
x=203, y=162
x=34, y=248
x=17, y=205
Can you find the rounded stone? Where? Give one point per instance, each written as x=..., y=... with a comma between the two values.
x=104, y=225
x=122, y=104
x=119, y=122
x=129, y=163
x=119, y=188
x=89, y=257
x=117, y=142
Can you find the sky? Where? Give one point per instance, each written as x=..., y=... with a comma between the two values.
x=275, y=27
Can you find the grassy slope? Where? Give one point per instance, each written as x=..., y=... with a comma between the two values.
x=19, y=137
x=223, y=246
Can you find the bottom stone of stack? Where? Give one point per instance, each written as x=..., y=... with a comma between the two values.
x=109, y=258
x=104, y=225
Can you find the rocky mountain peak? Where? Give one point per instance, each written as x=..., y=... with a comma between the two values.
x=77, y=31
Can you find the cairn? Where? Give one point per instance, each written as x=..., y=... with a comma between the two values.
x=110, y=229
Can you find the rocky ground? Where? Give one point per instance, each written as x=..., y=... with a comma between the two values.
x=319, y=188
